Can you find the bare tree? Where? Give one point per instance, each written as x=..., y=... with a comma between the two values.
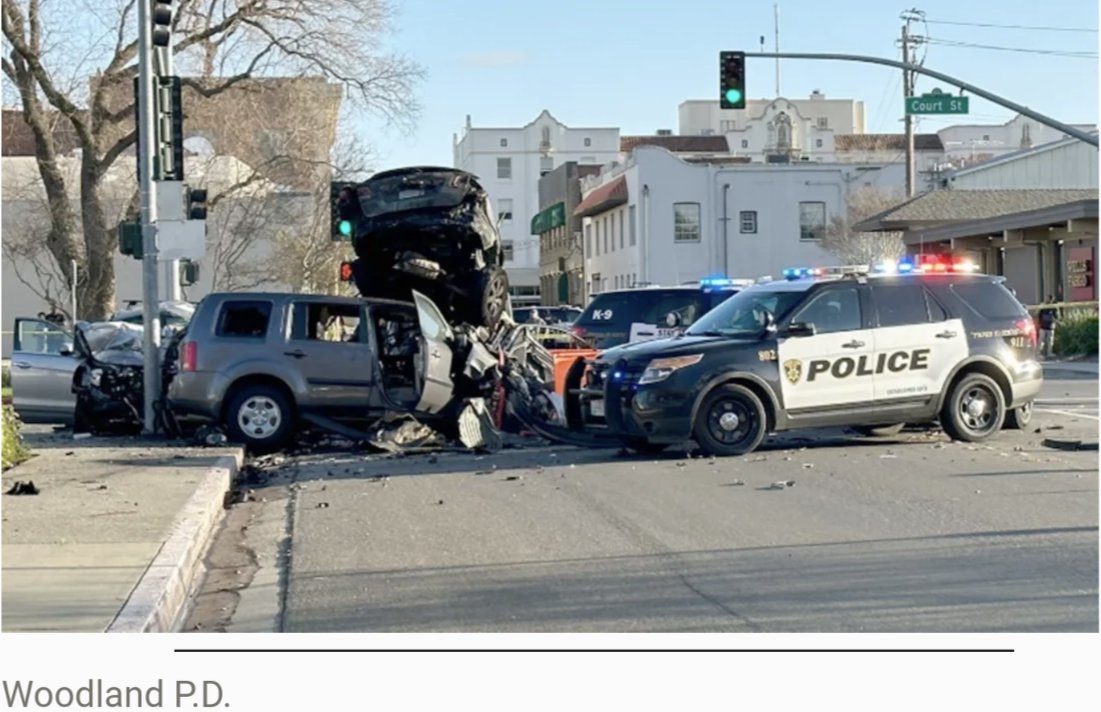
x=864, y=248
x=221, y=43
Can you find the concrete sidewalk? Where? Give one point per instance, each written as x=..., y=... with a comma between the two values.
x=114, y=540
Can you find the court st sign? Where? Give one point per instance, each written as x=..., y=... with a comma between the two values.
x=937, y=102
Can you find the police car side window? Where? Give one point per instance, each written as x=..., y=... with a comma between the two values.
x=833, y=310
x=900, y=304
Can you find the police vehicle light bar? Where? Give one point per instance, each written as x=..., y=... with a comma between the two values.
x=837, y=271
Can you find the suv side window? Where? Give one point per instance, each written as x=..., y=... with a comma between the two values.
x=900, y=304
x=326, y=321
x=833, y=310
x=244, y=319
x=688, y=307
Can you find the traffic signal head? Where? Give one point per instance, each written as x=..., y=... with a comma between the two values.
x=161, y=31
x=346, y=272
x=732, y=80
x=345, y=210
x=189, y=272
x=130, y=240
x=196, y=204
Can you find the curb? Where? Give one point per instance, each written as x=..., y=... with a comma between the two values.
x=157, y=602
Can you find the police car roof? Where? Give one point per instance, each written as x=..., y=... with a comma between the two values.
x=803, y=283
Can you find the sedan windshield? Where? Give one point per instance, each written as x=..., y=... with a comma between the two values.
x=745, y=314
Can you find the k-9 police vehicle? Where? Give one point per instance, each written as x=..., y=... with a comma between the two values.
x=821, y=348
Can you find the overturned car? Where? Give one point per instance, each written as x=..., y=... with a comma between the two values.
x=432, y=230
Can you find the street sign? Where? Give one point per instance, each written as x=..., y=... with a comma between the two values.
x=937, y=102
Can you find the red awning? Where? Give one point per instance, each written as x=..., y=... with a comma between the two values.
x=603, y=198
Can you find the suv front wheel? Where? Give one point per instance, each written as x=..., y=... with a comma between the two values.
x=261, y=417
x=731, y=421
x=975, y=409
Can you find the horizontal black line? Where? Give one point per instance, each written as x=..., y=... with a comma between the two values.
x=595, y=650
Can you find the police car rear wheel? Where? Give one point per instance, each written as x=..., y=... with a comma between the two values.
x=731, y=421
x=1019, y=417
x=975, y=410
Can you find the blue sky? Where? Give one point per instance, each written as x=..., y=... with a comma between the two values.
x=597, y=63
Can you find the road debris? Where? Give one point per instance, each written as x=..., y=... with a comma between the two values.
x=20, y=488
x=1069, y=445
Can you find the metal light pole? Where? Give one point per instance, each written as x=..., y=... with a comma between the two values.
x=151, y=341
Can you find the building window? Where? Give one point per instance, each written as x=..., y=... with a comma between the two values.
x=504, y=169
x=588, y=159
x=745, y=143
x=596, y=229
x=611, y=221
x=727, y=126
x=686, y=222
x=589, y=240
x=604, y=230
x=812, y=220
x=546, y=165
x=818, y=143
x=504, y=143
x=747, y=221
x=621, y=221
x=588, y=142
x=506, y=245
x=632, y=228
x=504, y=209
x=596, y=283
x=986, y=137
x=823, y=122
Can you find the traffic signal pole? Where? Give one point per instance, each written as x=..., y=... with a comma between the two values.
x=173, y=291
x=147, y=189
x=990, y=96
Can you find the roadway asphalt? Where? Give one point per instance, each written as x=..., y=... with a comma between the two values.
x=817, y=532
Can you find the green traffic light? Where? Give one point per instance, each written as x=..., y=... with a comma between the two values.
x=346, y=228
x=733, y=95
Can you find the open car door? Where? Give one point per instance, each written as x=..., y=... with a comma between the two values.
x=43, y=363
x=437, y=388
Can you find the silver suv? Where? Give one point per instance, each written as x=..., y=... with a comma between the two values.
x=259, y=362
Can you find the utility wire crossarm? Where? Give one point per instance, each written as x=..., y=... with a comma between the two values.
x=1046, y=120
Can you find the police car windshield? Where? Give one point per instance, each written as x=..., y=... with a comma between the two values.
x=744, y=313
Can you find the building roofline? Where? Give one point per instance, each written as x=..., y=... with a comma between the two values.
x=1016, y=155
x=1054, y=214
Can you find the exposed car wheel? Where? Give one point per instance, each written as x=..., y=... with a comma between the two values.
x=1019, y=417
x=880, y=431
x=261, y=417
x=975, y=409
x=492, y=296
x=731, y=421
x=643, y=446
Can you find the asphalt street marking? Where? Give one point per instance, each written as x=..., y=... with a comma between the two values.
x=1071, y=413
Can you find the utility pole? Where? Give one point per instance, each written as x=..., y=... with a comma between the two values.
x=151, y=341
x=909, y=80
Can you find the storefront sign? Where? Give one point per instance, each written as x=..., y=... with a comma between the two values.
x=1080, y=275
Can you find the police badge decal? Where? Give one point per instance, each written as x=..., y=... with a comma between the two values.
x=793, y=369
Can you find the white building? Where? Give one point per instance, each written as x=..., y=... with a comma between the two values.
x=509, y=163
x=663, y=220
x=1067, y=164
x=965, y=144
x=704, y=117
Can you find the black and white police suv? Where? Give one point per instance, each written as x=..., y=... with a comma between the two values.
x=825, y=347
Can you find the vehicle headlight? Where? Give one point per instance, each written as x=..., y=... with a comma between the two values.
x=661, y=368
x=95, y=376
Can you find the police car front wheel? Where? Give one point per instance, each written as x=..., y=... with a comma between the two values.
x=731, y=421
x=975, y=410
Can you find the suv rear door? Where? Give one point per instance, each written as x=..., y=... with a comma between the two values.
x=42, y=372
x=916, y=344
x=329, y=347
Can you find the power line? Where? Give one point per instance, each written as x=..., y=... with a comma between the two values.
x=1054, y=52
x=1012, y=27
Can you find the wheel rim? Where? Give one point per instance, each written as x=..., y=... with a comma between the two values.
x=731, y=422
x=1024, y=413
x=495, y=296
x=259, y=417
x=978, y=409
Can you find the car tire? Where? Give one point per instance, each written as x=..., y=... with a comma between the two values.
x=491, y=296
x=879, y=431
x=717, y=433
x=260, y=417
x=643, y=446
x=975, y=409
x=1019, y=417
